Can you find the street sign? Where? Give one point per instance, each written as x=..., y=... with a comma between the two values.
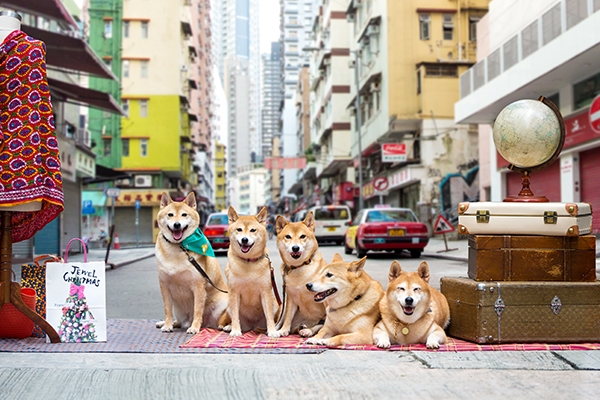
x=381, y=183
x=138, y=204
x=442, y=225
x=112, y=192
x=595, y=114
x=393, y=152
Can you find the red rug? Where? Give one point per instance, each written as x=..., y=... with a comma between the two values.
x=212, y=339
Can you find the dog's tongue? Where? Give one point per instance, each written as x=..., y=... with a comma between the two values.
x=177, y=235
x=245, y=249
x=408, y=310
x=296, y=255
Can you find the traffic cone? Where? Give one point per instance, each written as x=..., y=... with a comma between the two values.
x=117, y=245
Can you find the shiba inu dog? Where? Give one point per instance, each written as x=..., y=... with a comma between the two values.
x=299, y=251
x=351, y=298
x=252, y=304
x=411, y=311
x=190, y=301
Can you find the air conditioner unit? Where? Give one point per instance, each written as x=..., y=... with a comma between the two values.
x=350, y=63
x=375, y=87
x=143, y=181
x=350, y=18
x=373, y=30
x=124, y=183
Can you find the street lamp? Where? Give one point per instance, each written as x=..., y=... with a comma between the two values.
x=358, y=122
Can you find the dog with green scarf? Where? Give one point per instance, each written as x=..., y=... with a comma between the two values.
x=192, y=284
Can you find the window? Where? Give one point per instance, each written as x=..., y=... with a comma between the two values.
x=473, y=28
x=551, y=27
x=511, y=53
x=108, y=62
x=529, y=39
x=125, y=106
x=125, y=29
x=143, y=108
x=576, y=12
x=144, y=69
x=143, y=147
x=125, y=68
x=125, y=144
x=441, y=70
x=424, y=22
x=418, y=81
x=493, y=64
x=585, y=91
x=555, y=98
x=448, y=26
x=144, y=30
x=108, y=29
x=106, y=143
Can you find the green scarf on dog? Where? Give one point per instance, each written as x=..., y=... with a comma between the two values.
x=198, y=243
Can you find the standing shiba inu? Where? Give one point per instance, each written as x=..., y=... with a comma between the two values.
x=252, y=304
x=185, y=292
x=411, y=311
x=299, y=251
x=351, y=298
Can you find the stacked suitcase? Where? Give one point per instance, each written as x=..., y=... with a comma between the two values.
x=532, y=274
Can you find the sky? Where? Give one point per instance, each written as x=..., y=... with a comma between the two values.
x=269, y=11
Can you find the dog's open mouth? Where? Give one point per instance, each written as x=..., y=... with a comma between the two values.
x=296, y=255
x=177, y=233
x=408, y=310
x=322, y=295
x=245, y=247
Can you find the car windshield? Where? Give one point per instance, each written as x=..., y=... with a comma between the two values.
x=331, y=213
x=391, y=216
x=218, y=220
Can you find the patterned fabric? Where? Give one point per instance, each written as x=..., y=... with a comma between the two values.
x=29, y=160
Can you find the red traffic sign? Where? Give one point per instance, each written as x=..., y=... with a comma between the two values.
x=595, y=114
x=442, y=225
x=381, y=183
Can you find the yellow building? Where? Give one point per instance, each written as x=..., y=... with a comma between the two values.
x=409, y=56
x=220, y=176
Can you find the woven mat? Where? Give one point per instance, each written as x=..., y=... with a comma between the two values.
x=136, y=336
x=212, y=338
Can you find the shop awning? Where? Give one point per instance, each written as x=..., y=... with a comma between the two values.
x=105, y=174
x=50, y=9
x=70, y=53
x=84, y=96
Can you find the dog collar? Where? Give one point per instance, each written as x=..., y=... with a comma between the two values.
x=355, y=299
x=293, y=267
x=405, y=331
x=253, y=259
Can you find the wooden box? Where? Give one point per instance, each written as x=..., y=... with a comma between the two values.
x=532, y=258
x=523, y=312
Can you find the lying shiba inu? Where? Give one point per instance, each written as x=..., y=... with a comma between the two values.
x=299, y=251
x=252, y=304
x=412, y=311
x=351, y=298
x=186, y=294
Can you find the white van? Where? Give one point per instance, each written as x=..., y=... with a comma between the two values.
x=330, y=223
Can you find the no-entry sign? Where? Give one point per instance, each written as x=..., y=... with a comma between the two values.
x=595, y=114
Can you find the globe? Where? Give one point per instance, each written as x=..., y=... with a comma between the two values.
x=527, y=133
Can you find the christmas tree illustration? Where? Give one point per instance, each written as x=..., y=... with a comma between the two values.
x=74, y=324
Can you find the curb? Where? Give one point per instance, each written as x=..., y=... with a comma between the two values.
x=445, y=257
x=110, y=266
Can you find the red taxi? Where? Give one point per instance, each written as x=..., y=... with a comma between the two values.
x=386, y=229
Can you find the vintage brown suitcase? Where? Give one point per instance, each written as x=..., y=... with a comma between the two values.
x=523, y=312
x=532, y=258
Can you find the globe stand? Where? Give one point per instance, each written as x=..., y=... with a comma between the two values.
x=526, y=195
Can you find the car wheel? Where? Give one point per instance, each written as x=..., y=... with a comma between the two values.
x=360, y=252
x=347, y=250
x=416, y=253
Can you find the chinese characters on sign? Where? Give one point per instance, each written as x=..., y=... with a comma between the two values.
x=285, y=162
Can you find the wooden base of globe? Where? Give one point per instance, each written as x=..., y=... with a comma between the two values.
x=526, y=195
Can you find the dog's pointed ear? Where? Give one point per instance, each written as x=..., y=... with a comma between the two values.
x=395, y=270
x=424, y=271
x=232, y=215
x=262, y=216
x=337, y=258
x=190, y=200
x=165, y=200
x=358, y=266
x=309, y=220
x=280, y=223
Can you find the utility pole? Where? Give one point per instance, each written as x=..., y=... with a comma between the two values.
x=358, y=125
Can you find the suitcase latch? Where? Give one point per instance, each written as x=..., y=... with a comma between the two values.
x=550, y=217
x=555, y=305
x=483, y=216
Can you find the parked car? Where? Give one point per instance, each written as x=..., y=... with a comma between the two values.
x=331, y=222
x=386, y=229
x=215, y=231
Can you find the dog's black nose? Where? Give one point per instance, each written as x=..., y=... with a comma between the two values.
x=309, y=286
x=177, y=225
x=408, y=301
x=295, y=249
x=244, y=240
